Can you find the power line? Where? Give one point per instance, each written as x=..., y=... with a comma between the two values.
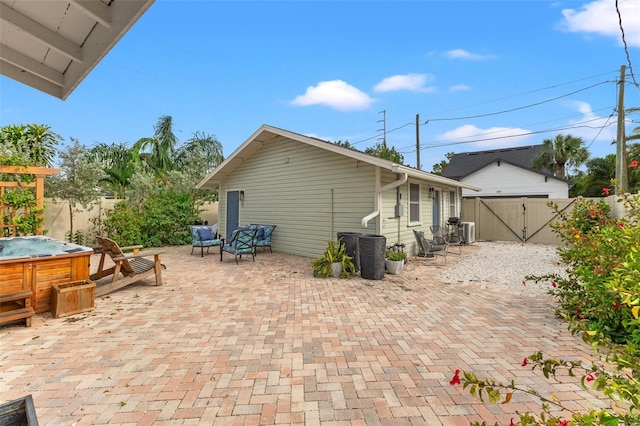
x=377, y=136
x=556, y=129
x=606, y=123
x=528, y=92
x=522, y=107
x=626, y=49
x=402, y=148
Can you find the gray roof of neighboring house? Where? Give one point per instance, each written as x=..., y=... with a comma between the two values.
x=466, y=163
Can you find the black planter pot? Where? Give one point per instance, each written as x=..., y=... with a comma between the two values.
x=350, y=240
x=372, y=255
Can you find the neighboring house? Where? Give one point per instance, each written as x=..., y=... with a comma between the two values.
x=313, y=189
x=506, y=173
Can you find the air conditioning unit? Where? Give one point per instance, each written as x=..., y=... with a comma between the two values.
x=469, y=231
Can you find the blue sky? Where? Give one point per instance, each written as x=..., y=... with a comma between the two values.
x=480, y=74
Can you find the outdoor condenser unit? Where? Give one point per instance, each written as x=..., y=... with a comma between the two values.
x=469, y=231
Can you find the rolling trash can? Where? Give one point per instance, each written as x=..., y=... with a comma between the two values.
x=350, y=240
x=372, y=253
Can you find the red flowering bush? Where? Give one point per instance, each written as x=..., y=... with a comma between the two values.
x=600, y=299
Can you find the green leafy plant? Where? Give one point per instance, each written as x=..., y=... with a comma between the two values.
x=396, y=255
x=77, y=237
x=122, y=224
x=335, y=252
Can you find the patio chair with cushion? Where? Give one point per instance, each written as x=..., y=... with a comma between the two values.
x=128, y=268
x=430, y=248
x=204, y=236
x=242, y=241
x=263, y=237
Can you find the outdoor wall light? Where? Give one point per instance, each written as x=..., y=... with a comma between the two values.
x=242, y=195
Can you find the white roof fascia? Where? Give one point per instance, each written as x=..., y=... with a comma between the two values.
x=250, y=146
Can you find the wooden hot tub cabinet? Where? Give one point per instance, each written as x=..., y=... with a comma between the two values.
x=38, y=274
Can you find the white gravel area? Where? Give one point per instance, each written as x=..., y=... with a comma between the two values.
x=503, y=265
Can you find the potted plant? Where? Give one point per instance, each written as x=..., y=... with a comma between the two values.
x=334, y=262
x=395, y=261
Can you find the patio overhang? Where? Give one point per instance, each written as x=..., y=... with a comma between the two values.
x=53, y=45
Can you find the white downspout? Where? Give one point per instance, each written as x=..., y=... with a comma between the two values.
x=378, y=195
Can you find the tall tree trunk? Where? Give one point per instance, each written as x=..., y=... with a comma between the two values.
x=70, y=223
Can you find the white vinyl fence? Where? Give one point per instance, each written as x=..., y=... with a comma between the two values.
x=57, y=224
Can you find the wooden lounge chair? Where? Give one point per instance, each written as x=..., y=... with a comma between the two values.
x=128, y=268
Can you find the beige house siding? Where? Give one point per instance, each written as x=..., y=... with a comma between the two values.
x=312, y=189
x=399, y=229
x=309, y=193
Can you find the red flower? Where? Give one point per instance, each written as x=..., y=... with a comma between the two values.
x=621, y=225
x=577, y=308
x=616, y=305
x=634, y=163
x=456, y=378
x=511, y=423
x=554, y=284
x=563, y=423
x=525, y=362
x=592, y=213
x=605, y=191
x=590, y=377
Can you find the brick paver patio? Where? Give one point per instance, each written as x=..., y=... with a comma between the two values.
x=266, y=343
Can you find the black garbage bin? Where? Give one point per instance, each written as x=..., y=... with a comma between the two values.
x=350, y=240
x=372, y=253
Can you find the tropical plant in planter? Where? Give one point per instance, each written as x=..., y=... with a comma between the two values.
x=395, y=261
x=334, y=262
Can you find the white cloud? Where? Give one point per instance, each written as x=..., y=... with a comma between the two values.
x=490, y=138
x=410, y=82
x=463, y=54
x=600, y=17
x=590, y=126
x=336, y=94
x=459, y=88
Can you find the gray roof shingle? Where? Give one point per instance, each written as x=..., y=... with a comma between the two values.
x=466, y=163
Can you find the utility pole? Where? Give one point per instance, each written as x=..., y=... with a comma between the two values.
x=622, y=181
x=418, y=141
x=384, y=127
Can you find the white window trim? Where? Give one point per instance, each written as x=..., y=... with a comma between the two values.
x=409, y=203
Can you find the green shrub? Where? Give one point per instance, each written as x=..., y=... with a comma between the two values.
x=122, y=224
x=165, y=219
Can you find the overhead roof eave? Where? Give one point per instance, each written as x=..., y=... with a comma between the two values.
x=52, y=46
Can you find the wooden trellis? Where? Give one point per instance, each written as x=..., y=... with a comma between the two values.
x=9, y=229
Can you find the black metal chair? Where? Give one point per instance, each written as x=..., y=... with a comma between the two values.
x=242, y=241
x=429, y=248
x=441, y=237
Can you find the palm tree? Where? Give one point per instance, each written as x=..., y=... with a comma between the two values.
x=163, y=148
x=34, y=142
x=118, y=165
x=201, y=154
x=562, y=152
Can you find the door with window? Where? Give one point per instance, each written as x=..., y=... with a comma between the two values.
x=233, y=211
x=436, y=208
